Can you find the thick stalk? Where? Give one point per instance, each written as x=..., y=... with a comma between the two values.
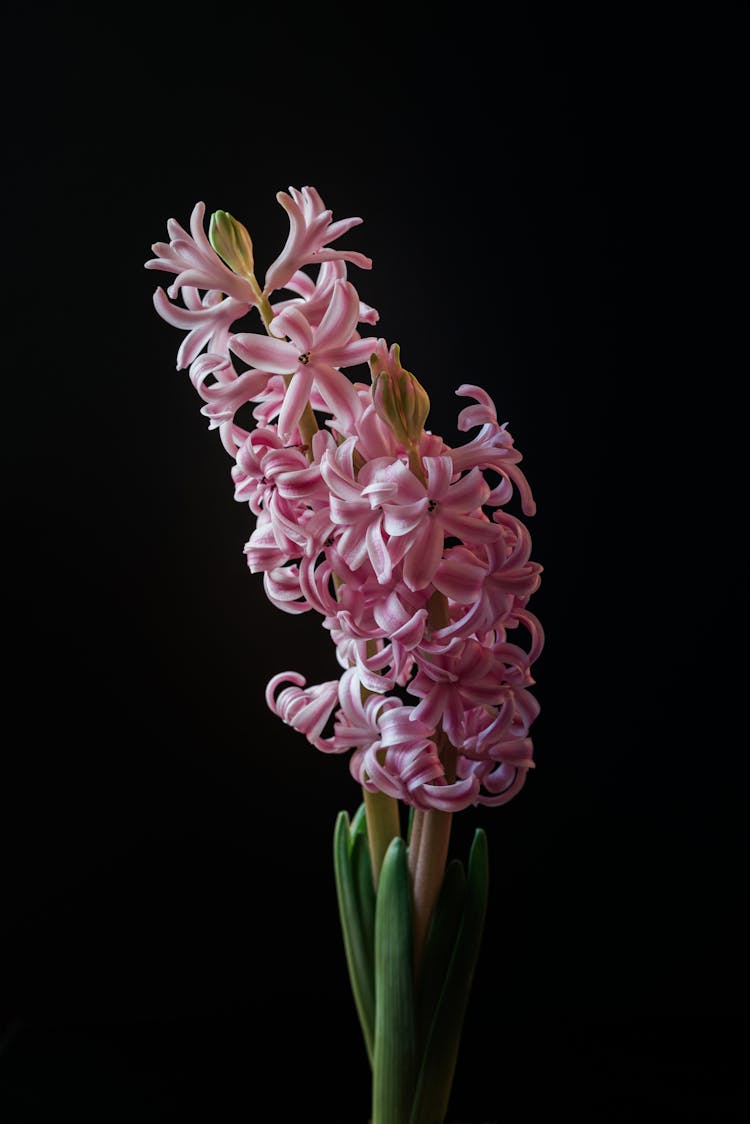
x=382, y=826
x=427, y=873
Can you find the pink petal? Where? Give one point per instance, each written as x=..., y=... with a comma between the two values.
x=275, y=356
x=390, y=614
x=452, y=797
x=424, y=557
x=378, y=552
x=339, y=394
x=439, y=472
x=352, y=547
x=351, y=354
x=467, y=494
x=410, y=634
x=460, y=576
x=336, y=229
x=400, y=519
x=340, y=319
x=293, y=323
x=178, y=316
x=469, y=529
x=193, y=344
x=513, y=785
x=295, y=400
x=430, y=708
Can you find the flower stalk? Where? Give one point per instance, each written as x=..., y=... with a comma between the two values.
x=382, y=826
x=420, y=575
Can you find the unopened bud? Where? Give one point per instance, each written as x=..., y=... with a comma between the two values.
x=399, y=398
x=231, y=242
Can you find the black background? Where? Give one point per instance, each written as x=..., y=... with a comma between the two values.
x=549, y=204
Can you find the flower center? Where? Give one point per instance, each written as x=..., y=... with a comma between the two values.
x=304, y=359
x=431, y=506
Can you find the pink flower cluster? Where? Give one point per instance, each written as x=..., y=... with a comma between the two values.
x=403, y=547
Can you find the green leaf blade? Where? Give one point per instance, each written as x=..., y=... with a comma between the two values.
x=365, y=893
x=443, y=1039
x=395, y=1030
x=357, y=946
x=441, y=940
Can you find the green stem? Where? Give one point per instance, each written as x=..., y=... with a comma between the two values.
x=264, y=304
x=382, y=826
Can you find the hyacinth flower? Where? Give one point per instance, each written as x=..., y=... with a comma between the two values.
x=404, y=548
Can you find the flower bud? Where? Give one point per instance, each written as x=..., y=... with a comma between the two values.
x=399, y=398
x=231, y=242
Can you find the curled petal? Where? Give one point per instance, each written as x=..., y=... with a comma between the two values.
x=282, y=588
x=452, y=797
x=506, y=782
x=293, y=323
x=306, y=710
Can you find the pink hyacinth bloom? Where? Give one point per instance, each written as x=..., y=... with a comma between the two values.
x=306, y=709
x=449, y=682
x=315, y=296
x=360, y=516
x=491, y=580
x=282, y=588
x=360, y=522
x=312, y=355
x=356, y=722
x=502, y=781
x=491, y=448
x=418, y=518
x=206, y=320
x=228, y=391
x=310, y=231
x=387, y=499
x=491, y=731
x=195, y=262
x=412, y=770
x=265, y=469
x=382, y=620
x=196, y=266
x=263, y=551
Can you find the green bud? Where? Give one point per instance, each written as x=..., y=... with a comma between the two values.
x=399, y=398
x=231, y=242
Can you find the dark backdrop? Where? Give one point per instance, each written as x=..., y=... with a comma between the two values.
x=549, y=207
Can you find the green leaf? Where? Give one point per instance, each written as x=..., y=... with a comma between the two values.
x=365, y=894
x=357, y=946
x=359, y=824
x=441, y=1050
x=395, y=1035
x=441, y=940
